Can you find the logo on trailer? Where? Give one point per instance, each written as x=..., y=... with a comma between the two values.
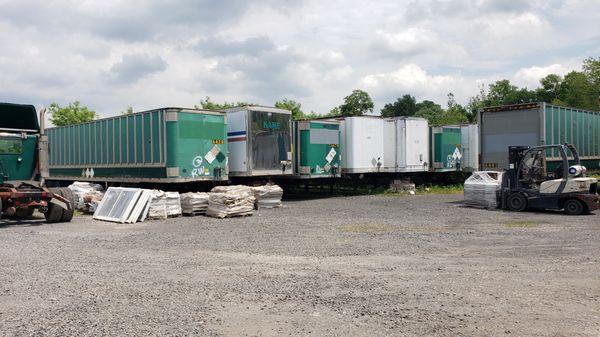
x=270, y=125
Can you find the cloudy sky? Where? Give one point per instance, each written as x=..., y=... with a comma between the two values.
x=146, y=54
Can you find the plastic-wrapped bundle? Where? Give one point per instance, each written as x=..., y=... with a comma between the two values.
x=194, y=203
x=173, y=204
x=268, y=196
x=86, y=195
x=158, y=205
x=228, y=201
x=482, y=188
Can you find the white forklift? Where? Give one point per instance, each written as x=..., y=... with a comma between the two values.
x=530, y=184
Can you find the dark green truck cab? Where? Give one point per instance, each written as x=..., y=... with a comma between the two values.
x=22, y=158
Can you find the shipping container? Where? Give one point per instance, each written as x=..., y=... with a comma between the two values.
x=168, y=145
x=454, y=147
x=535, y=124
x=406, y=145
x=361, y=143
x=317, y=149
x=260, y=141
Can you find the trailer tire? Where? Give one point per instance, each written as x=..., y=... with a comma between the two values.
x=517, y=202
x=66, y=193
x=574, y=207
x=55, y=212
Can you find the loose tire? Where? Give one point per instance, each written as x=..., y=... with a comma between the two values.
x=574, y=207
x=517, y=202
x=67, y=215
x=55, y=212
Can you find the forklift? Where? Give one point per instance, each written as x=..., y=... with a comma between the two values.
x=530, y=184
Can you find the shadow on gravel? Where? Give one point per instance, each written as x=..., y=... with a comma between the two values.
x=4, y=223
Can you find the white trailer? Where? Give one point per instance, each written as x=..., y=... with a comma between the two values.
x=362, y=144
x=406, y=144
x=260, y=141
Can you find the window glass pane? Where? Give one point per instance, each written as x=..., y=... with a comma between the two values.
x=11, y=146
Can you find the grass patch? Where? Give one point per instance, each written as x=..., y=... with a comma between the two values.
x=521, y=224
x=367, y=228
x=440, y=189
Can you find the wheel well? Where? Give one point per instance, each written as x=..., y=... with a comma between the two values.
x=563, y=201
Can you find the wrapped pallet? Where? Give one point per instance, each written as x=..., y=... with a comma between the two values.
x=267, y=196
x=482, y=189
x=158, y=205
x=230, y=201
x=194, y=203
x=173, y=204
x=86, y=195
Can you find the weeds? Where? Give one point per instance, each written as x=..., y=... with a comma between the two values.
x=521, y=224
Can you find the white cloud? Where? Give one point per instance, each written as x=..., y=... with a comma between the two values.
x=530, y=77
x=176, y=52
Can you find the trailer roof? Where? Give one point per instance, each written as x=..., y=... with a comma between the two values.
x=524, y=106
x=527, y=106
x=18, y=117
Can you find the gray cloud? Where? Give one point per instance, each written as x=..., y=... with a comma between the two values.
x=133, y=67
x=252, y=46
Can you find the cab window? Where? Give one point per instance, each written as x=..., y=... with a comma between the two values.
x=11, y=146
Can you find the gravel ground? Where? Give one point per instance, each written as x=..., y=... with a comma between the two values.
x=354, y=266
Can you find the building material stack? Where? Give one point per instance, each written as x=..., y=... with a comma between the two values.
x=194, y=203
x=267, y=196
x=230, y=201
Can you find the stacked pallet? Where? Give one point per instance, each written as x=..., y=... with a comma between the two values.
x=230, y=201
x=267, y=196
x=194, y=203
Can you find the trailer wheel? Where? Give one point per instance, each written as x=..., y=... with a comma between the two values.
x=574, y=207
x=517, y=202
x=55, y=212
x=66, y=193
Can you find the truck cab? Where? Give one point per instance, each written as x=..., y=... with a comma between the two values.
x=22, y=159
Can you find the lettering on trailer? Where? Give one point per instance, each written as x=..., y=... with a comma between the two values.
x=198, y=168
x=271, y=125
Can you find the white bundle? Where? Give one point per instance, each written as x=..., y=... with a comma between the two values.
x=482, y=188
x=228, y=201
x=173, y=204
x=158, y=205
x=194, y=203
x=268, y=196
x=85, y=194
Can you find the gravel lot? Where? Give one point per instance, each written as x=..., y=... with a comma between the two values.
x=354, y=266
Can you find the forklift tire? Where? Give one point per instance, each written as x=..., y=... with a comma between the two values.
x=55, y=212
x=66, y=193
x=517, y=202
x=574, y=207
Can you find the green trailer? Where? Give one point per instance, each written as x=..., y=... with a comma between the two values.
x=317, y=152
x=168, y=145
x=534, y=124
x=445, y=144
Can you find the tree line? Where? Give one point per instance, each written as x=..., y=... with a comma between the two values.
x=578, y=89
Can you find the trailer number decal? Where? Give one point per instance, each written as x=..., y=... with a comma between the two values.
x=218, y=141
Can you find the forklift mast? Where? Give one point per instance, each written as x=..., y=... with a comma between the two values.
x=515, y=156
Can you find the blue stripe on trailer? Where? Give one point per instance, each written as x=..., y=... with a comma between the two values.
x=236, y=133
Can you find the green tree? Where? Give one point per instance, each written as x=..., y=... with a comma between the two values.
x=432, y=112
x=335, y=112
x=579, y=91
x=73, y=113
x=404, y=106
x=128, y=111
x=357, y=103
x=293, y=106
x=207, y=104
x=504, y=93
x=551, y=89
